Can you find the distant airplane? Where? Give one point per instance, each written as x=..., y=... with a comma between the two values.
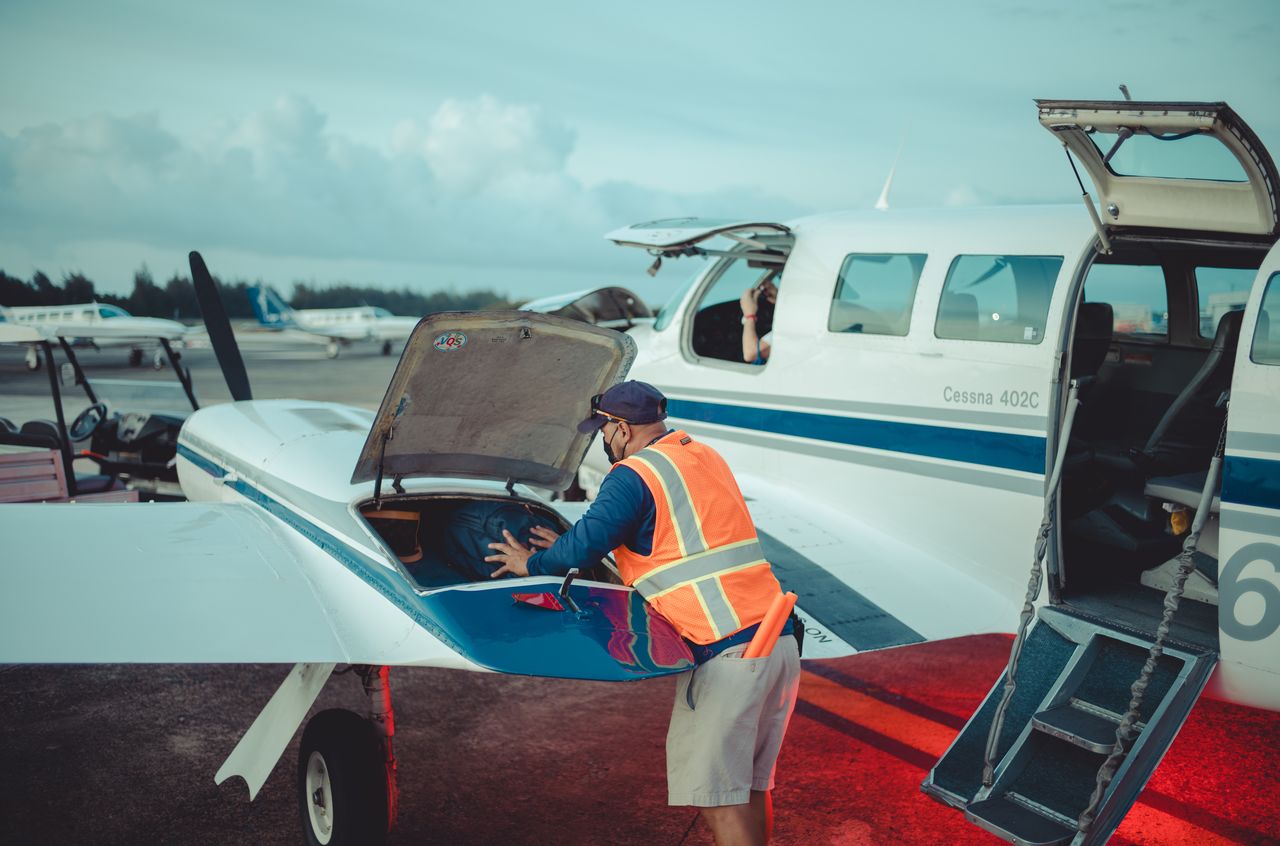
x=340, y=326
x=98, y=324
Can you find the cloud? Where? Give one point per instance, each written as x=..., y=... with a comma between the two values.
x=477, y=182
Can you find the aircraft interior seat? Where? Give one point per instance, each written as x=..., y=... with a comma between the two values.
x=1217, y=364
x=1183, y=489
x=960, y=314
x=1095, y=324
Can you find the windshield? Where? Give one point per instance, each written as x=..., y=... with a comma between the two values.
x=672, y=306
x=142, y=395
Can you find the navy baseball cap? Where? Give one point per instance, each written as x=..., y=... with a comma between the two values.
x=628, y=402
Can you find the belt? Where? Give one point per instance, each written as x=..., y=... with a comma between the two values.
x=704, y=652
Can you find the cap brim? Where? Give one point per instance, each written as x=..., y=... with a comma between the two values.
x=594, y=423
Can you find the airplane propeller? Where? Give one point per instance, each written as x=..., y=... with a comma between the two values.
x=219, y=327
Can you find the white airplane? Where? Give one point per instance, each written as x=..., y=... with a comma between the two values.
x=339, y=326
x=98, y=324
x=902, y=438
x=897, y=450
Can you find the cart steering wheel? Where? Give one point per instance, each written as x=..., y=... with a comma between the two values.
x=87, y=422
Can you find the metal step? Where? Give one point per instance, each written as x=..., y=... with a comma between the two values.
x=1088, y=728
x=1015, y=822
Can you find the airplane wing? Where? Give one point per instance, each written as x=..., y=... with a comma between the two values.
x=181, y=582
x=860, y=588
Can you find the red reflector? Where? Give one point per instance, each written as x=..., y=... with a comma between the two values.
x=549, y=601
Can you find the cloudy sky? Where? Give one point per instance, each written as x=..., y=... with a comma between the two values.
x=490, y=144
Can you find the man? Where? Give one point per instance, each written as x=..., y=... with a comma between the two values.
x=675, y=520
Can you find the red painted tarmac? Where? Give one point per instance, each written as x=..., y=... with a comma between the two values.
x=127, y=754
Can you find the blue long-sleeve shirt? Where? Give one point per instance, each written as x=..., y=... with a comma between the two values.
x=623, y=513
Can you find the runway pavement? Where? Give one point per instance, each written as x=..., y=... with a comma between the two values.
x=126, y=754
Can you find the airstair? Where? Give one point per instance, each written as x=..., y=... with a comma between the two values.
x=1072, y=688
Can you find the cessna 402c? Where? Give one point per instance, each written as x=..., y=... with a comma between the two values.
x=919, y=417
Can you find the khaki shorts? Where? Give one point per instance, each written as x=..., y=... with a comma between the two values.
x=727, y=744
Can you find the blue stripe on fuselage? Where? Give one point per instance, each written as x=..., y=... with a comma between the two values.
x=1251, y=481
x=993, y=449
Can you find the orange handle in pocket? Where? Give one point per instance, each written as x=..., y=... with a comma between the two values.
x=767, y=635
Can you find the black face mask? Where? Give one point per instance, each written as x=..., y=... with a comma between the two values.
x=608, y=451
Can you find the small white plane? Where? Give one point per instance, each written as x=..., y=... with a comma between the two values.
x=902, y=451
x=98, y=324
x=946, y=391
x=338, y=326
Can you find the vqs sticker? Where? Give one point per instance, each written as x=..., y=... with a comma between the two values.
x=450, y=342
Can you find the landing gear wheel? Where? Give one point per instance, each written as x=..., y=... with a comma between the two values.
x=33, y=359
x=331, y=351
x=157, y=360
x=386, y=348
x=135, y=358
x=342, y=781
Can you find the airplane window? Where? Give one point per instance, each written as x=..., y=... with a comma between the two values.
x=1221, y=290
x=1138, y=297
x=1266, y=335
x=997, y=298
x=874, y=293
x=1196, y=156
x=717, y=323
x=111, y=311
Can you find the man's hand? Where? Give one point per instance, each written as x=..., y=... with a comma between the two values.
x=543, y=537
x=511, y=554
x=750, y=301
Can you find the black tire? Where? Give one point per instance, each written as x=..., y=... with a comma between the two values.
x=386, y=348
x=348, y=749
x=135, y=358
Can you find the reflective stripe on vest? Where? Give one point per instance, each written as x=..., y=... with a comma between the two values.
x=683, y=517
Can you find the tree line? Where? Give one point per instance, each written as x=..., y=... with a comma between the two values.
x=176, y=298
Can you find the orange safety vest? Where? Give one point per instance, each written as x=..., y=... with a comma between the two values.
x=706, y=573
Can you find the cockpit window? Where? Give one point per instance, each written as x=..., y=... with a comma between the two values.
x=717, y=318
x=997, y=298
x=670, y=308
x=1188, y=155
x=106, y=311
x=874, y=293
x=378, y=311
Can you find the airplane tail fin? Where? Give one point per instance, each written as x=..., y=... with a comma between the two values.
x=269, y=308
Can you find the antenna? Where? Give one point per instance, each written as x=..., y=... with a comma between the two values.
x=883, y=202
x=1124, y=89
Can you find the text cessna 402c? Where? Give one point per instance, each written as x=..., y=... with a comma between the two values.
x=951, y=393
x=898, y=450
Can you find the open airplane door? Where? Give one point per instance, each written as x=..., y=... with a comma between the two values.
x=1071, y=732
x=764, y=244
x=1188, y=167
